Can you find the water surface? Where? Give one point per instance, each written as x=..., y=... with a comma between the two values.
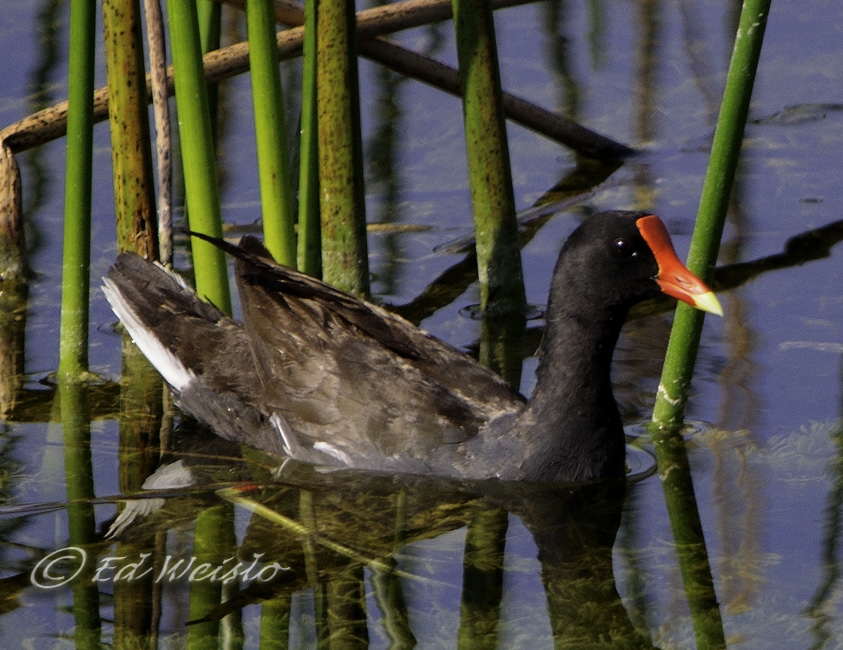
x=389, y=560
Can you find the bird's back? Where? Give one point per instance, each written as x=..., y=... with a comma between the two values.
x=312, y=372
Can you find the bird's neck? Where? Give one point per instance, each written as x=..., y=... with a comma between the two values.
x=575, y=358
x=572, y=419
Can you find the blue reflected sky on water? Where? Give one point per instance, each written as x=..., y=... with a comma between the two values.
x=769, y=375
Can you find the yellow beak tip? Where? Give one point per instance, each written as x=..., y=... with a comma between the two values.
x=708, y=302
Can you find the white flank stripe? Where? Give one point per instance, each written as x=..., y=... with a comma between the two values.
x=291, y=446
x=333, y=451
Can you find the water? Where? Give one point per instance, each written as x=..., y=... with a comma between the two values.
x=764, y=451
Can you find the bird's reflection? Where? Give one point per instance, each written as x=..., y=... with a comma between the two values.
x=332, y=531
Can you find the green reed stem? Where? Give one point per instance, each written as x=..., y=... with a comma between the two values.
x=81, y=522
x=197, y=150
x=674, y=468
x=275, y=623
x=73, y=346
x=131, y=155
x=496, y=229
x=502, y=297
x=310, y=237
x=342, y=201
x=688, y=536
x=213, y=541
x=685, y=337
x=209, y=19
x=271, y=134
x=73, y=353
x=482, y=581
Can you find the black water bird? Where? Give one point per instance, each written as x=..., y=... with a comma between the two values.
x=318, y=375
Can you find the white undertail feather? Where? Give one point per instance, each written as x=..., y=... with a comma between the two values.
x=164, y=360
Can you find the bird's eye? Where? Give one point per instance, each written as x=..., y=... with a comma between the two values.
x=623, y=248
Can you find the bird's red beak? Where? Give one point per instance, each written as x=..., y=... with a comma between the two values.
x=673, y=278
